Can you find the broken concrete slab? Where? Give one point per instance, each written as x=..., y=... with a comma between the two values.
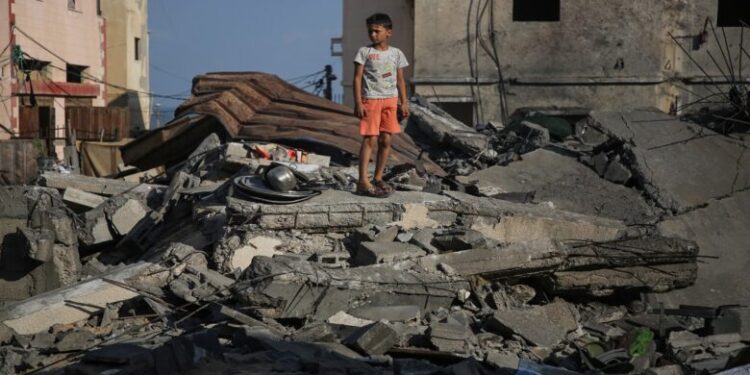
x=334, y=209
x=288, y=287
x=101, y=186
x=127, y=216
x=559, y=318
x=509, y=222
x=720, y=229
x=80, y=198
x=385, y=252
x=441, y=127
x=496, y=263
x=450, y=337
x=604, y=282
x=680, y=165
x=70, y=304
x=375, y=339
x=565, y=182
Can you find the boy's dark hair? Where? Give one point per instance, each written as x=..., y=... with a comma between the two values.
x=381, y=19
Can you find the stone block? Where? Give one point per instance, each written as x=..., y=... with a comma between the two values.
x=386, y=252
x=375, y=339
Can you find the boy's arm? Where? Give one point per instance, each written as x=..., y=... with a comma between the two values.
x=401, y=82
x=359, y=110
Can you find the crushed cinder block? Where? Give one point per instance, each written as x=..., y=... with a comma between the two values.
x=334, y=259
x=617, y=172
x=559, y=318
x=385, y=252
x=80, y=198
x=375, y=339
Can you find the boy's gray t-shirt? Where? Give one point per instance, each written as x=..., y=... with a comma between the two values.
x=380, y=68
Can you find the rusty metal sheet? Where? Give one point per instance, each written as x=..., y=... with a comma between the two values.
x=261, y=107
x=18, y=160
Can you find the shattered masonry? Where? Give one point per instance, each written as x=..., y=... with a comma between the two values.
x=553, y=243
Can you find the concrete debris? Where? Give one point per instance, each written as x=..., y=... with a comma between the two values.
x=385, y=252
x=550, y=242
x=559, y=318
x=565, y=182
x=677, y=164
x=80, y=198
x=375, y=339
x=441, y=128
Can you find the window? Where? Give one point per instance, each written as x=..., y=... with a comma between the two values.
x=137, y=49
x=72, y=5
x=75, y=73
x=536, y=10
x=731, y=12
x=461, y=111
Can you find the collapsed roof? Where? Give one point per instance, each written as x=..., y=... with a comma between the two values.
x=259, y=107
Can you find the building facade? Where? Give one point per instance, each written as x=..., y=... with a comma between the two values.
x=54, y=49
x=128, y=58
x=482, y=59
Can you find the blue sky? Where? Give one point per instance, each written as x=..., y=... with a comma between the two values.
x=289, y=38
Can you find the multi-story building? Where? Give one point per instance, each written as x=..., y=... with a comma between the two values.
x=467, y=55
x=54, y=49
x=127, y=66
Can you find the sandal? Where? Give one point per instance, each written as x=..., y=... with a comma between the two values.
x=382, y=185
x=373, y=191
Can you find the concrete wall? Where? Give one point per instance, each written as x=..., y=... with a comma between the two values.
x=125, y=21
x=599, y=55
x=355, y=34
x=610, y=55
x=72, y=35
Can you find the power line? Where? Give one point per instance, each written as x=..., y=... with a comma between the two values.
x=91, y=77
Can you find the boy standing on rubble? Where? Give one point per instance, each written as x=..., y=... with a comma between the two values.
x=379, y=86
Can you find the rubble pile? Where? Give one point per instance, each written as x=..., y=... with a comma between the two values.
x=250, y=256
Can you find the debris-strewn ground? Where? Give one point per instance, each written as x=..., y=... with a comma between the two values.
x=594, y=243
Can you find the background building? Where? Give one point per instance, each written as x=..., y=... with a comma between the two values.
x=128, y=59
x=573, y=53
x=62, y=61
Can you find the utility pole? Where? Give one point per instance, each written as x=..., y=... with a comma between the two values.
x=329, y=77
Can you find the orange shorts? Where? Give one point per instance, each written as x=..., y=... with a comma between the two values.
x=381, y=115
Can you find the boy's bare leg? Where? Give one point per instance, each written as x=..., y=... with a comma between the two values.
x=365, y=151
x=384, y=150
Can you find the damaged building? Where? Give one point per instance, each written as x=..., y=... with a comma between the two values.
x=557, y=209
x=482, y=60
x=233, y=242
